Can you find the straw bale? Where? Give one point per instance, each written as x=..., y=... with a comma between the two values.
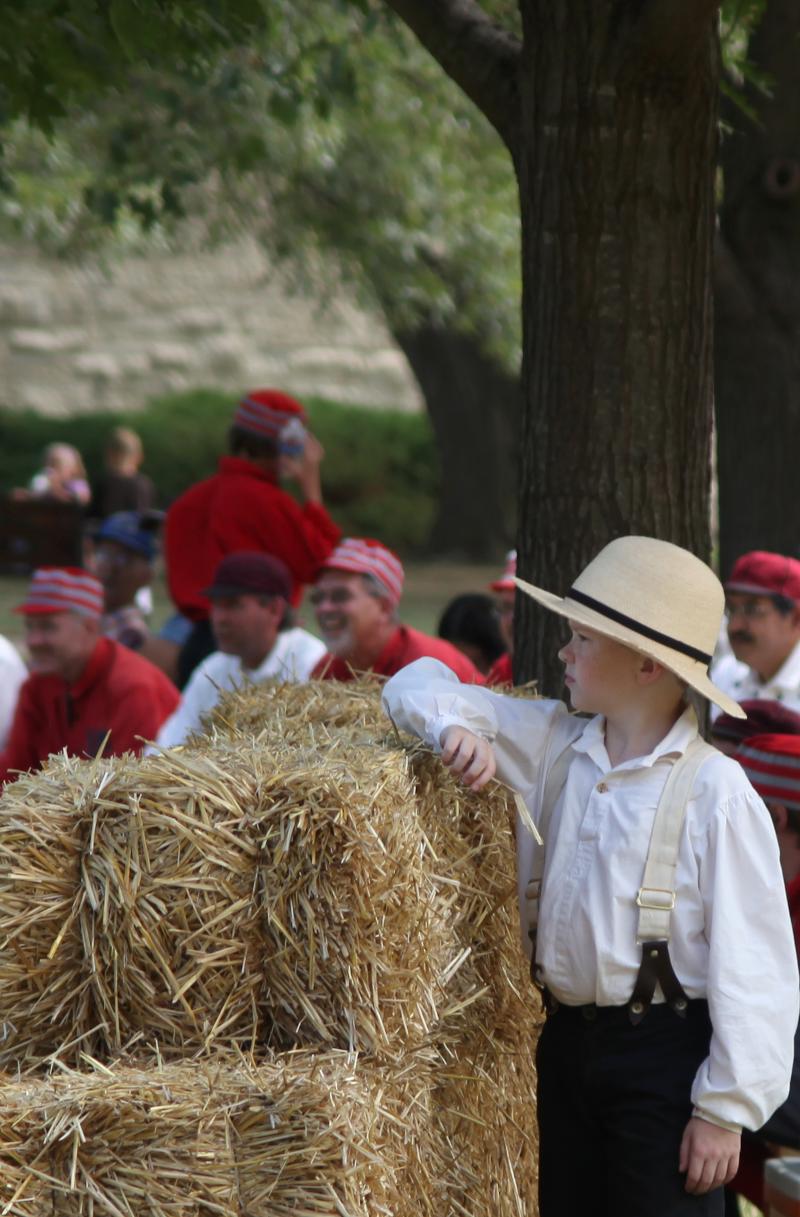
x=306, y=1134
x=234, y=895
x=484, y=1105
x=310, y=714
x=326, y=888
x=471, y=838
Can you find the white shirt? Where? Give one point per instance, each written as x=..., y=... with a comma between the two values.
x=13, y=674
x=741, y=682
x=294, y=655
x=731, y=938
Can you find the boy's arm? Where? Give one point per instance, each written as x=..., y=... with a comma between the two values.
x=426, y=698
x=752, y=982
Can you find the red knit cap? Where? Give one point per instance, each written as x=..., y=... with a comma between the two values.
x=363, y=556
x=772, y=763
x=760, y=573
x=506, y=581
x=63, y=589
x=265, y=412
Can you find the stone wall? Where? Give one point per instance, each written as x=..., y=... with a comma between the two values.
x=75, y=338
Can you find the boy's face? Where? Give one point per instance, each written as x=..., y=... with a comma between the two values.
x=601, y=674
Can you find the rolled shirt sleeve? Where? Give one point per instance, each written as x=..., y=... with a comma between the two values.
x=752, y=983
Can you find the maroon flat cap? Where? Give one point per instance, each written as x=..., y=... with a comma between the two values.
x=250, y=573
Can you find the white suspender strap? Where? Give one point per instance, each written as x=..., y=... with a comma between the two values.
x=656, y=898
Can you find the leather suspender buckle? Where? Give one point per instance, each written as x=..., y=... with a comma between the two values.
x=659, y=898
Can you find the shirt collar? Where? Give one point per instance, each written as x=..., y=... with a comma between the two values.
x=787, y=678
x=592, y=741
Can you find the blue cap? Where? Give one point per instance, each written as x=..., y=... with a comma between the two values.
x=131, y=529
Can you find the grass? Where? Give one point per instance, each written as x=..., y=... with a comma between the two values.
x=429, y=586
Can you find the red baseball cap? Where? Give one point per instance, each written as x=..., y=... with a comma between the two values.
x=761, y=573
x=505, y=583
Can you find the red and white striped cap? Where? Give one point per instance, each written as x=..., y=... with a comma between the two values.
x=506, y=581
x=363, y=556
x=63, y=589
x=772, y=763
x=265, y=412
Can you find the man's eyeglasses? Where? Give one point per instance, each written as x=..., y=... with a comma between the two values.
x=336, y=595
x=751, y=610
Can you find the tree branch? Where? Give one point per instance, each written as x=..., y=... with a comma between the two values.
x=479, y=55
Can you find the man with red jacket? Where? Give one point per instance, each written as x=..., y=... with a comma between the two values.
x=356, y=597
x=85, y=693
x=242, y=507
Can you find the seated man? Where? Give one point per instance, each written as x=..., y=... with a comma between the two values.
x=251, y=620
x=356, y=597
x=86, y=693
x=125, y=549
x=763, y=608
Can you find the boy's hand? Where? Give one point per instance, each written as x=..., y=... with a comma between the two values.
x=709, y=1155
x=469, y=756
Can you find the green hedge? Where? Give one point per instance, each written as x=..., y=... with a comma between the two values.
x=380, y=473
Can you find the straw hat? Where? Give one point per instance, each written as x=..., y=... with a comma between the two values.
x=657, y=599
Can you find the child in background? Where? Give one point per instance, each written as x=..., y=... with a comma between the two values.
x=672, y=1002
x=63, y=476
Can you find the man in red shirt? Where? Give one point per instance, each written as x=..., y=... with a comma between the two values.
x=85, y=693
x=242, y=507
x=356, y=597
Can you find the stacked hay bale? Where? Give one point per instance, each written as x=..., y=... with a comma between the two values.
x=295, y=895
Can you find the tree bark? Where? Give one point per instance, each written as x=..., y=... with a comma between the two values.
x=615, y=159
x=473, y=404
x=616, y=185
x=758, y=304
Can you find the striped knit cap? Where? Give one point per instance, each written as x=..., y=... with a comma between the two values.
x=265, y=412
x=772, y=763
x=63, y=589
x=363, y=556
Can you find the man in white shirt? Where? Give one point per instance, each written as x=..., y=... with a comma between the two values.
x=762, y=598
x=250, y=617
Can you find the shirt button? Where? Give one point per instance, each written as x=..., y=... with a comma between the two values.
x=602, y=788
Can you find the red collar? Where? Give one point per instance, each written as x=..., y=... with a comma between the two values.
x=393, y=651
x=96, y=667
x=240, y=467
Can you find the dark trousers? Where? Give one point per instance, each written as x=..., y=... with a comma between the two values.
x=613, y=1104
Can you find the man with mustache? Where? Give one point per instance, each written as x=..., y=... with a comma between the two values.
x=763, y=610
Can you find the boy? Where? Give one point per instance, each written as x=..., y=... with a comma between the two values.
x=643, y=1086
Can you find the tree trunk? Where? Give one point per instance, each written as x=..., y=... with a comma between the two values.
x=473, y=404
x=616, y=167
x=758, y=304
